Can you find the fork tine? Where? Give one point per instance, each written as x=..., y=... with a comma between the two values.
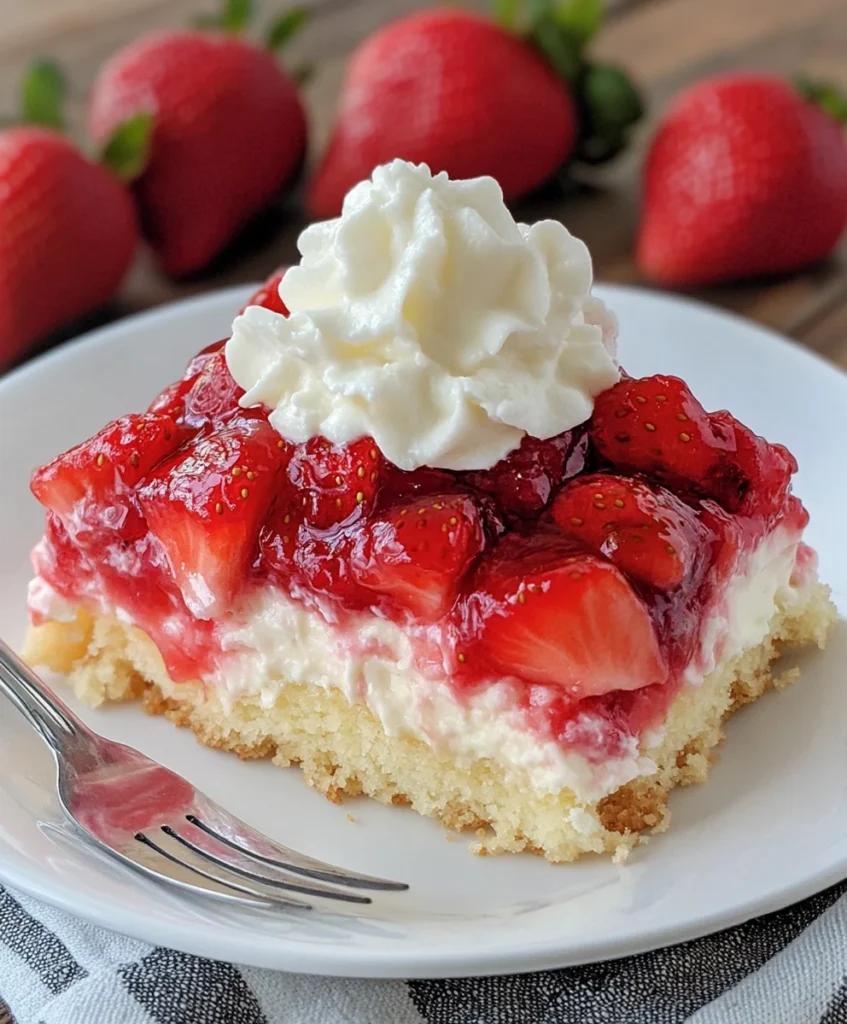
x=245, y=894
x=254, y=844
x=231, y=863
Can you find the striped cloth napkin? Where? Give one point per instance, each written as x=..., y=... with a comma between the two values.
x=786, y=968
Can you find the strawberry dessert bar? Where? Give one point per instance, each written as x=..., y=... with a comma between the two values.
x=412, y=529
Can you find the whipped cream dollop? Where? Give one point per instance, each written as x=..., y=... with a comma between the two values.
x=427, y=318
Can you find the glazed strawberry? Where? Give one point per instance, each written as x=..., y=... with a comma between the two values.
x=214, y=395
x=645, y=530
x=206, y=506
x=280, y=537
x=543, y=609
x=171, y=400
x=745, y=176
x=268, y=295
x=229, y=134
x=90, y=487
x=654, y=425
x=525, y=480
x=336, y=481
x=67, y=236
x=417, y=554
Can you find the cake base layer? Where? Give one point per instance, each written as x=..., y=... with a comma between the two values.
x=342, y=748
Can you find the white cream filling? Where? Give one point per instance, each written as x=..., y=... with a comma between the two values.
x=271, y=640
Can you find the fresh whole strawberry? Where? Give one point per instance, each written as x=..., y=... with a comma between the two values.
x=544, y=610
x=654, y=425
x=89, y=488
x=206, y=506
x=468, y=96
x=68, y=229
x=417, y=554
x=645, y=530
x=746, y=175
x=229, y=133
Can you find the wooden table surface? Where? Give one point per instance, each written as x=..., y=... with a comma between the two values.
x=664, y=43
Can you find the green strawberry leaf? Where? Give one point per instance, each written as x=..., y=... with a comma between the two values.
x=561, y=51
x=824, y=95
x=579, y=19
x=43, y=94
x=285, y=27
x=507, y=13
x=561, y=29
x=237, y=15
x=610, y=105
x=128, y=147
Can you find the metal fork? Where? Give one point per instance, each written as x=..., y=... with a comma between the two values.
x=157, y=823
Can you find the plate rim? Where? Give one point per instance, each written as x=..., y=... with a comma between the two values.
x=403, y=960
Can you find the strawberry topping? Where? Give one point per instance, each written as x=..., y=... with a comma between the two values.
x=336, y=481
x=206, y=506
x=268, y=295
x=645, y=530
x=525, y=480
x=90, y=487
x=546, y=611
x=655, y=426
x=577, y=568
x=417, y=554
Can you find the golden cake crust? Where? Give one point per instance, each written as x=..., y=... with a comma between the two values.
x=343, y=750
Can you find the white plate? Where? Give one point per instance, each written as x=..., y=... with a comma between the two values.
x=769, y=828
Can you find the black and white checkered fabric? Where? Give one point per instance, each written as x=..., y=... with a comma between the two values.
x=786, y=968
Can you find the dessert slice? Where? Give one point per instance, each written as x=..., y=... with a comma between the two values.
x=420, y=536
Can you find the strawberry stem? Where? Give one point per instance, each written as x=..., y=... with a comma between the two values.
x=285, y=27
x=128, y=147
x=824, y=95
x=235, y=17
x=609, y=103
x=43, y=92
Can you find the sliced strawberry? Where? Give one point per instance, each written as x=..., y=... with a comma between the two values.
x=525, y=480
x=768, y=467
x=546, y=611
x=206, y=506
x=214, y=396
x=418, y=552
x=171, y=401
x=268, y=295
x=654, y=425
x=336, y=481
x=279, y=539
x=645, y=530
x=90, y=487
x=324, y=565
x=198, y=362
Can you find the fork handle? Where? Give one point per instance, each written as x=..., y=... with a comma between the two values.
x=49, y=716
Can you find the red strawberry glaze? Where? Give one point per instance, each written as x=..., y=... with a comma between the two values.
x=578, y=572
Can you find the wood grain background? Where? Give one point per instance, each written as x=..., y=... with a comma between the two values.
x=665, y=43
